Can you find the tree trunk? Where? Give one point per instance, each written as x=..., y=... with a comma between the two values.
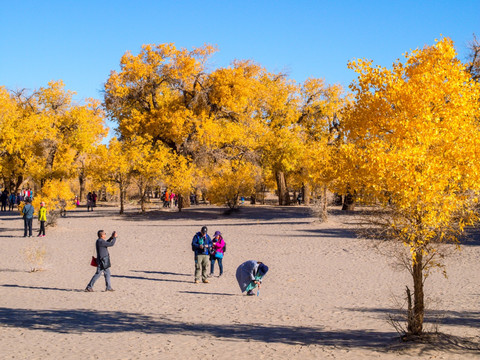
x=415, y=325
x=142, y=192
x=81, y=180
x=306, y=194
x=18, y=183
x=283, y=196
x=142, y=202
x=122, y=197
x=11, y=184
x=183, y=202
x=324, y=204
x=349, y=201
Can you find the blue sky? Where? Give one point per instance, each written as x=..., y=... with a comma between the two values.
x=81, y=41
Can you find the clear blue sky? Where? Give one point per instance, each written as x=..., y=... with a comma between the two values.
x=81, y=41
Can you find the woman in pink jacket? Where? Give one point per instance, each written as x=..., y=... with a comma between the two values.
x=218, y=252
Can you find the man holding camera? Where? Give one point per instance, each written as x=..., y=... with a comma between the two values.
x=103, y=259
x=202, y=246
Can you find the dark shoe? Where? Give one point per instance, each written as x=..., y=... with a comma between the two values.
x=110, y=290
x=250, y=293
x=88, y=289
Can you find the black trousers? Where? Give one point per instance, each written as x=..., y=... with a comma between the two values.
x=27, y=225
x=42, y=228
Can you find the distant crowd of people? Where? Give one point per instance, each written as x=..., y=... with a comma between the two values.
x=170, y=199
x=13, y=199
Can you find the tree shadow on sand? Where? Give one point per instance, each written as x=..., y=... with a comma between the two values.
x=472, y=237
x=330, y=233
x=440, y=317
x=208, y=293
x=83, y=213
x=83, y=321
x=40, y=288
x=87, y=321
x=148, y=278
x=435, y=340
x=160, y=272
x=252, y=213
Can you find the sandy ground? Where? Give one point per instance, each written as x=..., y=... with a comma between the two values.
x=327, y=295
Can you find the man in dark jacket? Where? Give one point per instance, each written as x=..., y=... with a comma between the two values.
x=103, y=260
x=202, y=246
x=27, y=212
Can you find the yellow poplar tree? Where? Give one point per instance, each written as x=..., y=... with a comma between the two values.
x=44, y=138
x=158, y=95
x=112, y=167
x=280, y=146
x=15, y=147
x=230, y=180
x=229, y=137
x=414, y=143
x=179, y=175
x=319, y=120
x=148, y=165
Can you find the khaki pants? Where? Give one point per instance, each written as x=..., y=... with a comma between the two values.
x=201, y=266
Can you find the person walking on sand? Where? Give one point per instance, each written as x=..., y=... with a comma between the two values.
x=89, y=201
x=202, y=246
x=103, y=260
x=218, y=251
x=250, y=275
x=166, y=200
x=27, y=212
x=42, y=217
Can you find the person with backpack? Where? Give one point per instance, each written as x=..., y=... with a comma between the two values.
x=202, y=246
x=218, y=252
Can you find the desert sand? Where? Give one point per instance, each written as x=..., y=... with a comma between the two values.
x=328, y=294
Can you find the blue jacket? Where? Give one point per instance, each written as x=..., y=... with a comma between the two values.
x=28, y=211
x=198, y=240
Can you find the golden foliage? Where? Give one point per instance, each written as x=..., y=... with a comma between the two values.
x=44, y=135
x=56, y=195
x=413, y=142
x=231, y=180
